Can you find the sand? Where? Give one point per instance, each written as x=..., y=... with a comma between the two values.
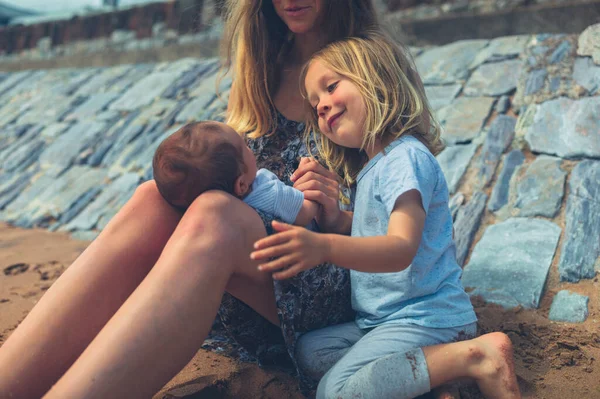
x=553, y=360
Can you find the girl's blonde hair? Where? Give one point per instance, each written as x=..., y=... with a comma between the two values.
x=392, y=90
x=260, y=41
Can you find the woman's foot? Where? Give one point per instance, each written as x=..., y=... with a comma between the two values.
x=491, y=364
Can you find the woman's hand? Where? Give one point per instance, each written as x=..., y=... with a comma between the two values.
x=322, y=186
x=294, y=248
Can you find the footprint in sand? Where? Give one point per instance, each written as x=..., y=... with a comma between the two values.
x=15, y=269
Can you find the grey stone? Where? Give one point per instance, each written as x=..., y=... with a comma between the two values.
x=503, y=105
x=121, y=135
x=567, y=128
x=501, y=49
x=569, y=307
x=208, y=84
x=44, y=111
x=499, y=196
x=535, y=81
x=454, y=161
x=105, y=206
x=510, y=263
x=137, y=73
x=196, y=108
x=23, y=156
x=560, y=52
x=554, y=85
x=463, y=119
x=68, y=146
x=468, y=219
x=13, y=80
x=77, y=206
x=455, y=203
x=92, y=106
x=102, y=81
x=449, y=63
x=12, y=185
x=540, y=190
x=494, y=79
x=188, y=79
x=49, y=197
x=539, y=50
x=497, y=140
x=580, y=253
x=144, y=92
x=588, y=43
x=54, y=130
x=440, y=96
x=85, y=235
x=587, y=74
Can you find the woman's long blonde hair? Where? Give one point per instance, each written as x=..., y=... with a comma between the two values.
x=256, y=41
x=394, y=96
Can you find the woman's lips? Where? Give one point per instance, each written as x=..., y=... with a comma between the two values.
x=296, y=11
x=333, y=119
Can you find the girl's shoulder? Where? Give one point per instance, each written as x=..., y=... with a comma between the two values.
x=408, y=148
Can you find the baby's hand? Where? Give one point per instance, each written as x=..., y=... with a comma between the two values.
x=294, y=248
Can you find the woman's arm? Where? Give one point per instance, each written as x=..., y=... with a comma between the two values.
x=297, y=249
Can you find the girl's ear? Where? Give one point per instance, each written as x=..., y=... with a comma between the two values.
x=240, y=187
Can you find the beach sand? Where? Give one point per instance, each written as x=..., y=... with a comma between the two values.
x=553, y=360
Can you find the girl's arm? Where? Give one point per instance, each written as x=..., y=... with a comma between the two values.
x=322, y=186
x=296, y=249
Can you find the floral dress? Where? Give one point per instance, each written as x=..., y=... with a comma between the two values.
x=313, y=299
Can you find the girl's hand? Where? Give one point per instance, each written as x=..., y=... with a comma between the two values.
x=322, y=186
x=294, y=248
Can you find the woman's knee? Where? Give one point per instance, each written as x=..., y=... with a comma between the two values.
x=146, y=214
x=224, y=219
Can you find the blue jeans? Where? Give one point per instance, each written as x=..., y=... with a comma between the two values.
x=382, y=362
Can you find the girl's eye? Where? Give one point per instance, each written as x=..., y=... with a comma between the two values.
x=332, y=87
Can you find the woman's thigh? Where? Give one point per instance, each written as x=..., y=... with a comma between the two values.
x=232, y=228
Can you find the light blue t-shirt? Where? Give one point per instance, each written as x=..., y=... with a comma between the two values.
x=274, y=197
x=429, y=291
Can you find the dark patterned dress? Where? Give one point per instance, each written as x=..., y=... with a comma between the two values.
x=315, y=298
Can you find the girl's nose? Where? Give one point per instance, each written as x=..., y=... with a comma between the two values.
x=323, y=108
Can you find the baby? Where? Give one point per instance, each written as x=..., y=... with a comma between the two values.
x=208, y=155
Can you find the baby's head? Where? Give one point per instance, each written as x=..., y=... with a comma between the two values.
x=202, y=156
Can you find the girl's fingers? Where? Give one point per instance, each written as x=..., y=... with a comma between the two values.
x=270, y=252
x=282, y=227
x=312, y=176
x=278, y=264
x=318, y=196
x=313, y=185
x=312, y=166
x=272, y=240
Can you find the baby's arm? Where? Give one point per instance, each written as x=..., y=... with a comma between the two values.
x=307, y=213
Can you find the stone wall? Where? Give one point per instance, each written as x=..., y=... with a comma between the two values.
x=181, y=16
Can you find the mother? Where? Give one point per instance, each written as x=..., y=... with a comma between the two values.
x=137, y=304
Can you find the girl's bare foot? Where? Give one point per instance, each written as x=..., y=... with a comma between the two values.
x=491, y=363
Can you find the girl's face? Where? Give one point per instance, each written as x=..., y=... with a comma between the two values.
x=300, y=16
x=338, y=103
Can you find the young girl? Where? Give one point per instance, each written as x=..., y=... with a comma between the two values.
x=375, y=128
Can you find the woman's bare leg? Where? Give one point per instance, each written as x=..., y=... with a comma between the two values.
x=164, y=322
x=85, y=297
x=487, y=359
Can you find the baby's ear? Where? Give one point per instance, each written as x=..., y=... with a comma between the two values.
x=240, y=187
